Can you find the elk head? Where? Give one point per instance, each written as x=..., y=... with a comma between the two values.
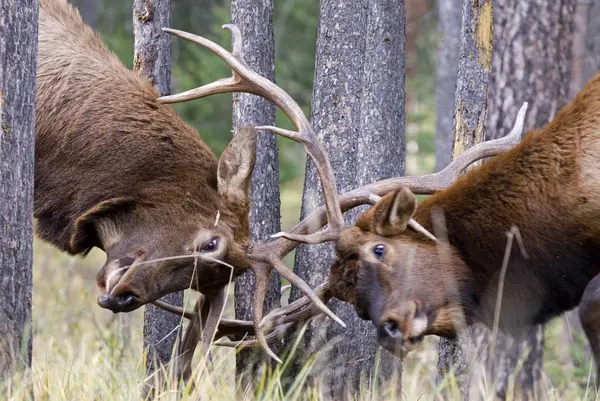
x=147, y=258
x=203, y=246
x=387, y=270
x=393, y=270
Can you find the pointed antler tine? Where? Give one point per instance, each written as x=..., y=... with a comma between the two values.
x=236, y=40
x=174, y=309
x=262, y=273
x=519, y=122
x=305, y=289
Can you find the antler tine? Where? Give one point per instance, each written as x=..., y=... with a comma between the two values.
x=262, y=273
x=300, y=314
x=485, y=149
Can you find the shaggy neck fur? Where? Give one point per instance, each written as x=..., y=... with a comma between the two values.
x=549, y=187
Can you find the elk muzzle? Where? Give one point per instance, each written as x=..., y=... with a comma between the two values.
x=402, y=329
x=113, y=281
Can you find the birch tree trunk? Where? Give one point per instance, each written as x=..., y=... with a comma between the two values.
x=449, y=22
x=255, y=20
x=152, y=57
x=358, y=114
x=532, y=62
x=470, y=111
x=18, y=63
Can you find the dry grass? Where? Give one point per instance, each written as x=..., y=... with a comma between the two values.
x=82, y=352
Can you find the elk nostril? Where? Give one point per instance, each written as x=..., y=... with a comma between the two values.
x=126, y=299
x=117, y=304
x=391, y=330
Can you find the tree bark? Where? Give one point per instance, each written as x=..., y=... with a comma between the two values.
x=579, y=56
x=381, y=150
x=152, y=57
x=449, y=22
x=470, y=111
x=336, y=120
x=358, y=114
x=592, y=41
x=18, y=63
x=255, y=20
x=532, y=62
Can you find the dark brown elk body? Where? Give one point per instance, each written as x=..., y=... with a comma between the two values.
x=117, y=170
x=548, y=186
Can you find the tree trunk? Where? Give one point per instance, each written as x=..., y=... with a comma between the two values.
x=470, y=110
x=592, y=41
x=18, y=63
x=532, y=62
x=255, y=20
x=152, y=57
x=381, y=150
x=358, y=111
x=579, y=56
x=449, y=22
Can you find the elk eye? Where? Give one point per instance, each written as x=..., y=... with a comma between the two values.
x=378, y=251
x=211, y=246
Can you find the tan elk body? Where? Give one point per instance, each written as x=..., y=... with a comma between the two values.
x=548, y=186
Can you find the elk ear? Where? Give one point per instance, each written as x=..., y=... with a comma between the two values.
x=87, y=231
x=235, y=168
x=393, y=212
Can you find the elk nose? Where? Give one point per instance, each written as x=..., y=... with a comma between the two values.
x=390, y=330
x=117, y=304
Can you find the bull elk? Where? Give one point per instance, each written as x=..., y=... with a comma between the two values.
x=545, y=189
x=117, y=169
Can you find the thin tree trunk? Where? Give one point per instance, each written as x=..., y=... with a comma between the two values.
x=592, y=41
x=532, y=62
x=18, y=63
x=578, y=56
x=381, y=151
x=152, y=57
x=449, y=22
x=255, y=20
x=336, y=115
x=470, y=111
x=358, y=114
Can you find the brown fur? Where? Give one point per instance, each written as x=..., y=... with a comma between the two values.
x=548, y=186
x=117, y=170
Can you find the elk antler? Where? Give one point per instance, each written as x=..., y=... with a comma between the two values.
x=265, y=258
x=301, y=310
